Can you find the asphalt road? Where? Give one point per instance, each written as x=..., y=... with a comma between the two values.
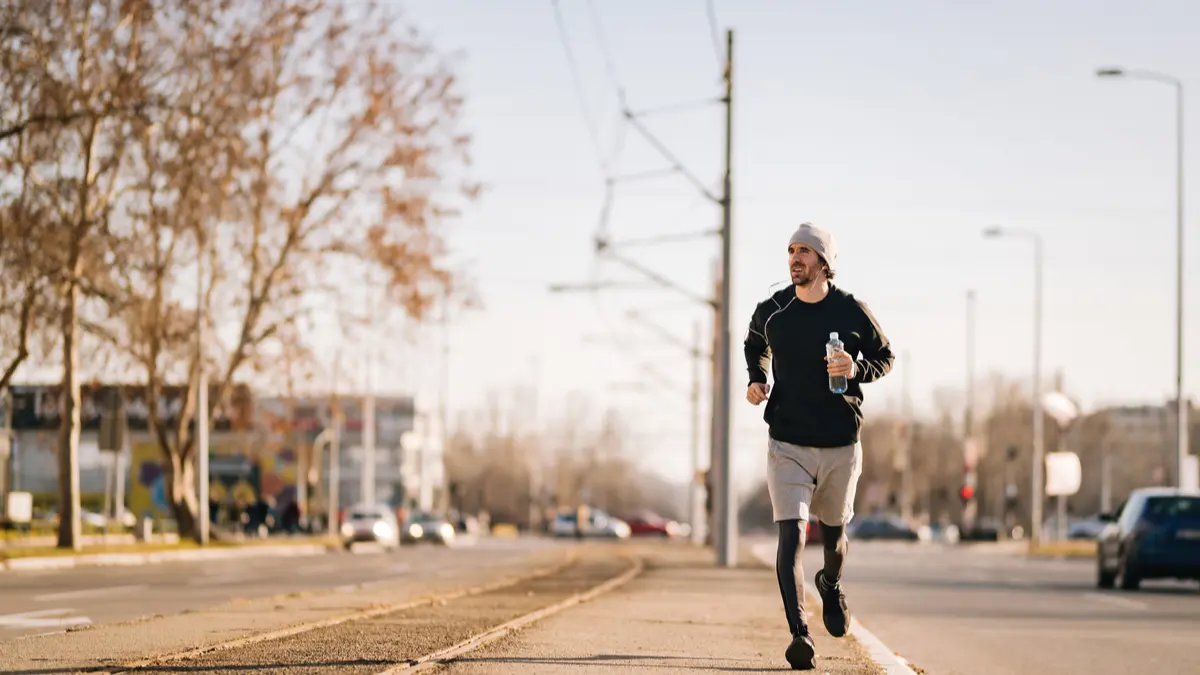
x=956, y=612
x=34, y=602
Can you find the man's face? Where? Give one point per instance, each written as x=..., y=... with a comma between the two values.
x=805, y=265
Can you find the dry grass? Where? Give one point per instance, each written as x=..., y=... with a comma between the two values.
x=1066, y=549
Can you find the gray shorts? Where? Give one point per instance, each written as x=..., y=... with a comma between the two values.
x=818, y=481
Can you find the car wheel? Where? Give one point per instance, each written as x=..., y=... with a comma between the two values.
x=1130, y=581
x=1104, y=578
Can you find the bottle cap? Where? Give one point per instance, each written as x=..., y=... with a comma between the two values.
x=833, y=336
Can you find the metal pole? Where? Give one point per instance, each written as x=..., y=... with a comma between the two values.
x=443, y=402
x=119, y=502
x=368, y=441
x=696, y=510
x=727, y=553
x=1181, y=449
x=969, y=430
x=715, y=530
x=201, y=402
x=970, y=510
x=1038, y=435
x=335, y=460
x=335, y=475
x=906, y=511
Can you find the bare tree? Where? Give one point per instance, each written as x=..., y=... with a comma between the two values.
x=585, y=458
x=82, y=84
x=311, y=138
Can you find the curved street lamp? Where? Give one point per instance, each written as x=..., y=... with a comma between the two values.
x=1181, y=417
x=1039, y=450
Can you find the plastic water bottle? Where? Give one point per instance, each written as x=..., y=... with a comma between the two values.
x=837, y=383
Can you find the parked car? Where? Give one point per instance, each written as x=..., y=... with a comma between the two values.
x=599, y=524
x=653, y=525
x=1087, y=529
x=421, y=526
x=882, y=528
x=1154, y=535
x=375, y=524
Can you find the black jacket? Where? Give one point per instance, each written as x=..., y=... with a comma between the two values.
x=790, y=335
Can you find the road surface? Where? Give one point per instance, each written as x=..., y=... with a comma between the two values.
x=51, y=600
x=956, y=612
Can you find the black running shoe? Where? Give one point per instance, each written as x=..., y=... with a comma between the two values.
x=834, y=610
x=801, y=654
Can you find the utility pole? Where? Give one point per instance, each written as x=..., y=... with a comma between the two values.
x=443, y=402
x=723, y=530
x=970, y=450
x=335, y=460
x=716, y=531
x=367, y=437
x=726, y=499
x=202, y=531
x=696, y=507
x=906, y=497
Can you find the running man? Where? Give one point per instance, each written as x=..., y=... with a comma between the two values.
x=814, y=457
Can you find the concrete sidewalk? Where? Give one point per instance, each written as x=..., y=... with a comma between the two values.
x=682, y=615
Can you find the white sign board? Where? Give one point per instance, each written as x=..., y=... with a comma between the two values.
x=1063, y=474
x=1191, y=473
x=20, y=507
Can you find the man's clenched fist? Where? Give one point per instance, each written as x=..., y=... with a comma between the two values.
x=757, y=392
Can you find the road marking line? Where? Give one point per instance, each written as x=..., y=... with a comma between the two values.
x=886, y=658
x=568, y=558
x=90, y=593
x=1116, y=601
x=44, y=618
x=442, y=656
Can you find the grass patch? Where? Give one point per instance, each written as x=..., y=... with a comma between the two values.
x=1068, y=549
x=52, y=552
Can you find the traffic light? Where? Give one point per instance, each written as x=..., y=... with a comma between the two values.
x=966, y=492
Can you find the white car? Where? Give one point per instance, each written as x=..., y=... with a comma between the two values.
x=599, y=524
x=376, y=524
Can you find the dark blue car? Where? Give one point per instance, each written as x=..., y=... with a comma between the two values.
x=1155, y=536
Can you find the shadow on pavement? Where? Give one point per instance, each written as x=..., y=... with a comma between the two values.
x=602, y=659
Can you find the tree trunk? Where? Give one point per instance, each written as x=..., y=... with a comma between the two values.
x=68, y=430
x=181, y=493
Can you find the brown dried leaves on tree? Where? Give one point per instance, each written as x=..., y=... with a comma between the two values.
x=317, y=141
x=74, y=73
x=298, y=142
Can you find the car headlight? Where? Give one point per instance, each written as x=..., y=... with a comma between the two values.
x=382, y=530
x=347, y=530
x=415, y=530
x=446, y=530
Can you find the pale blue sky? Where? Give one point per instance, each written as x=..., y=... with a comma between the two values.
x=904, y=128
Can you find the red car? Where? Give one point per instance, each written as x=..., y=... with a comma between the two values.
x=652, y=525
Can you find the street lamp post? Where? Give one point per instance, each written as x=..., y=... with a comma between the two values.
x=1181, y=418
x=1037, y=484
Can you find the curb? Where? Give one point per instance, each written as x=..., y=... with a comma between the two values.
x=891, y=662
x=133, y=559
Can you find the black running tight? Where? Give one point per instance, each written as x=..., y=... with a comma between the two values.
x=790, y=571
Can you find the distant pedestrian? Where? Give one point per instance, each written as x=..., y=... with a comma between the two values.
x=814, y=457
